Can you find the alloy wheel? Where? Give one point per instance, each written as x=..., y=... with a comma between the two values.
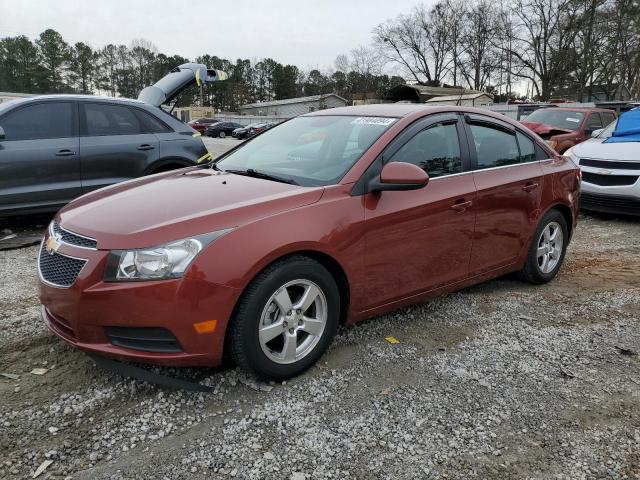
x=293, y=321
x=550, y=246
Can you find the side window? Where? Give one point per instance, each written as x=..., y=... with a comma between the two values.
x=149, y=123
x=593, y=122
x=43, y=120
x=436, y=150
x=527, y=148
x=106, y=119
x=494, y=147
x=607, y=118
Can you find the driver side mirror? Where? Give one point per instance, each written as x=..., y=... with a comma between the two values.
x=597, y=132
x=2, y=134
x=399, y=176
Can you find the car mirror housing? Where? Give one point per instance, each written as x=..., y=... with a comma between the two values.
x=2, y=134
x=597, y=132
x=399, y=176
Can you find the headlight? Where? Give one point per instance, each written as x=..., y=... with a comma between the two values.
x=552, y=143
x=169, y=260
x=571, y=156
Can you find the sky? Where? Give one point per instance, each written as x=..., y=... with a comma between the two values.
x=309, y=34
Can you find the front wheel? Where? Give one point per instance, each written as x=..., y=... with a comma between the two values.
x=222, y=135
x=285, y=319
x=547, y=250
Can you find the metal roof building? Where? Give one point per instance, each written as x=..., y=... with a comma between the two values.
x=292, y=107
x=480, y=99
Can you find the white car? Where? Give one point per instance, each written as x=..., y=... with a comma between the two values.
x=610, y=173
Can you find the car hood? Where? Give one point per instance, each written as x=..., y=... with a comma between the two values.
x=544, y=129
x=176, y=81
x=596, y=149
x=169, y=206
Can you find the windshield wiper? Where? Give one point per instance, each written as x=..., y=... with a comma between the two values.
x=250, y=172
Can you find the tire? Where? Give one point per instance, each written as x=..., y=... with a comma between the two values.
x=266, y=355
x=543, y=267
x=222, y=135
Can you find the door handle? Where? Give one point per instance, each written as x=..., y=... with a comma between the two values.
x=461, y=205
x=146, y=146
x=530, y=187
x=65, y=153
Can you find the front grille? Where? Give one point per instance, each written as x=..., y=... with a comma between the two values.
x=59, y=270
x=587, y=162
x=158, y=340
x=610, y=203
x=73, y=238
x=609, y=180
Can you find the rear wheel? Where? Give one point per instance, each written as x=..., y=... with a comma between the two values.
x=547, y=250
x=286, y=319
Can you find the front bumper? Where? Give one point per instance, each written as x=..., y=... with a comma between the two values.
x=624, y=199
x=87, y=313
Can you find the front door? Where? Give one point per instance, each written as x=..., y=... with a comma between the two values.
x=509, y=182
x=420, y=240
x=39, y=162
x=114, y=144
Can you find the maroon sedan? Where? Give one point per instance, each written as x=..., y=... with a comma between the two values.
x=201, y=124
x=325, y=219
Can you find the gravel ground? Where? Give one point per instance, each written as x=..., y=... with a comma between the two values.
x=502, y=380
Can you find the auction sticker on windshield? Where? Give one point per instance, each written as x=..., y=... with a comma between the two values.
x=373, y=121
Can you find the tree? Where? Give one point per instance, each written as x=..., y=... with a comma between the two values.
x=55, y=54
x=19, y=65
x=81, y=67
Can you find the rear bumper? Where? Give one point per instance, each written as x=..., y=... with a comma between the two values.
x=87, y=314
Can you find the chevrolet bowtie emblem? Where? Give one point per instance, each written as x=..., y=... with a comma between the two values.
x=605, y=172
x=52, y=244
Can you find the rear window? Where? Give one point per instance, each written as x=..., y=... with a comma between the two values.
x=105, y=119
x=557, y=118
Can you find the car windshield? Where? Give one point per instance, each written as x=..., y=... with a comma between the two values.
x=557, y=118
x=312, y=151
x=608, y=130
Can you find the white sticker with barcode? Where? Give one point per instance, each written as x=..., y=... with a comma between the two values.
x=373, y=121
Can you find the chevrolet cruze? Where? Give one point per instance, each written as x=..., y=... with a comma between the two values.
x=325, y=219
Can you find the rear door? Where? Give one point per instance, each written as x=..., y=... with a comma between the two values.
x=39, y=162
x=420, y=240
x=509, y=182
x=115, y=145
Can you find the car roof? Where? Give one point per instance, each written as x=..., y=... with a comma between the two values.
x=378, y=110
x=577, y=109
x=73, y=96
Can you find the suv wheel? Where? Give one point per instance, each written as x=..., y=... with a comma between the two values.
x=286, y=319
x=222, y=135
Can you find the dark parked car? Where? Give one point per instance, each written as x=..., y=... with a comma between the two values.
x=327, y=219
x=221, y=129
x=242, y=132
x=57, y=147
x=259, y=129
x=201, y=124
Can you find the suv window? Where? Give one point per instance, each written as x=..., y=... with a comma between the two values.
x=527, y=148
x=149, y=123
x=494, y=146
x=39, y=121
x=110, y=120
x=594, y=122
x=436, y=150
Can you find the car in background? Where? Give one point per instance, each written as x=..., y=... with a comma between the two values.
x=221, y=129
x=259, y=129
x=610, y=170
x=201, y=124
x=562, y=128
x=242, y=132
x=54, y=148
x=327, y=219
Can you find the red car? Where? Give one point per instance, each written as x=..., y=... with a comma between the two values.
x=562, y=128
x=201, y=124
x=328, y=218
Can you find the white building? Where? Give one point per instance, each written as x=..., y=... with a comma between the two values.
x=293, y=107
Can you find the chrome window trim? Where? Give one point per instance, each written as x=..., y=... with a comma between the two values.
x=55, y=285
